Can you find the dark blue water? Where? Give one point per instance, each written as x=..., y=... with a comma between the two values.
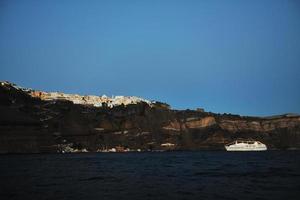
x=168, y=175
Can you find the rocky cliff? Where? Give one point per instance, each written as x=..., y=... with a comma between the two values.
x=31, y=123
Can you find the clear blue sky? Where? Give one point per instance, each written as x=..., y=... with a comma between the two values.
x=225, y=56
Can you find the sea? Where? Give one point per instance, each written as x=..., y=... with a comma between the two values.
x=151, y=175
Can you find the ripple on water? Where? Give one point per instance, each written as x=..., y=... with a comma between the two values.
x=176, y=175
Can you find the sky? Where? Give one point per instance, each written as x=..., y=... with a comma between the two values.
x=232, y=56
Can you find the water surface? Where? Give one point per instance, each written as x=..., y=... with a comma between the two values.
x=164, y=175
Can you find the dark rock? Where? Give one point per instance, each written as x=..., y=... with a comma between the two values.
x=30, y=125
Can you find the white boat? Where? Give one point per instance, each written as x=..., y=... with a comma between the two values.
x=246, y=145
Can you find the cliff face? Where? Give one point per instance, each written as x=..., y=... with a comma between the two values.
x=30, y=124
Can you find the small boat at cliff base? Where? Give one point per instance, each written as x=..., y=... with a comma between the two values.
x=246, y=145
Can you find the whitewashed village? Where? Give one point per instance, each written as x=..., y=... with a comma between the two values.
x=91, y=100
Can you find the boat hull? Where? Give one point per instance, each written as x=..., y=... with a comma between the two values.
x=245, y=149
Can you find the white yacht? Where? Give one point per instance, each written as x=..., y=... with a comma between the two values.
x=246, y=145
